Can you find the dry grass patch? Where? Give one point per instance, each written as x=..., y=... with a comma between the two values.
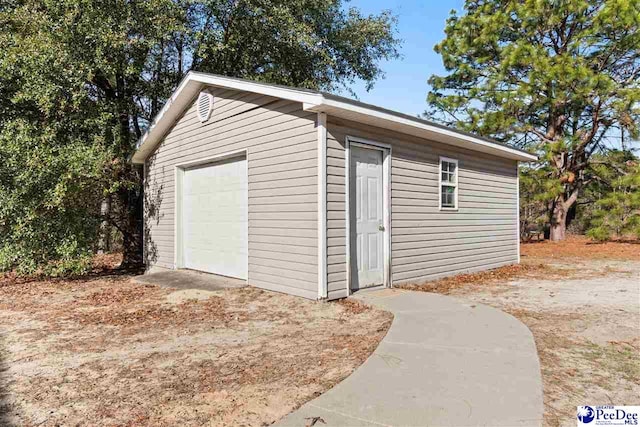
x=448, y=285
x=575, y=369
x=541, y=260
x=581, y=248
x=353, y=306
x=106, y=351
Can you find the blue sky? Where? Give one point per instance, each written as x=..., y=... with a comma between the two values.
x=421, y=26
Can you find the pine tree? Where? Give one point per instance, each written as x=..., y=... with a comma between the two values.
x=556, y=76
x=617, y=213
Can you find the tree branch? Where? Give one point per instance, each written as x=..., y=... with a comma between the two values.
x=572, y=198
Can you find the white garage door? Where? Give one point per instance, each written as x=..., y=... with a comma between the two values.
x=215, y=218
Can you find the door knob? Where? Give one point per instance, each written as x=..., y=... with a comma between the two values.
x=381, y=227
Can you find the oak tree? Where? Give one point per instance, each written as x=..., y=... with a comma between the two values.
x=80, y=81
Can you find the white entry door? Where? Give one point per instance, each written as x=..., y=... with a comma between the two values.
x=366, y=167
x=215, y=218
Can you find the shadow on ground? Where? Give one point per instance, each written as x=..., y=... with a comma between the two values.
x=101, y=272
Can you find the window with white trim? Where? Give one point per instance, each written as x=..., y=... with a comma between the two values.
x=448, y=183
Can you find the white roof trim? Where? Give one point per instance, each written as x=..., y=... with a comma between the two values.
x=193, y=82
x=418, y=128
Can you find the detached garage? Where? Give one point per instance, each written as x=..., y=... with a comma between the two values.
x=318, y=195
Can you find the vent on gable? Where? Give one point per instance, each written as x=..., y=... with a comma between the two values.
x=204, y=106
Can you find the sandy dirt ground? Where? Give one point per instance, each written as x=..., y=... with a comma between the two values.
x=582, y=303
x=105, y=351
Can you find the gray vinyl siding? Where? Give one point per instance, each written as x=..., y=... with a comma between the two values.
x=281, y=143
x=427, y=243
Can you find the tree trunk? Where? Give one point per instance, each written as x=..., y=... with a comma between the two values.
x=130, y=192
x=131, y=225
x=128, y=198
x=104, y=243
x=558, y=223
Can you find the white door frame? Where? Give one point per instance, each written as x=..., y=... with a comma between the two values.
x=179, y=169
x=386, y=204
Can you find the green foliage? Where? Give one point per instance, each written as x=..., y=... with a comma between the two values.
x=617, y=213
x=49, y=190
x=514, y=65
x=53, y=152
x=81, y=79
x=306, y=43
x=554, y=76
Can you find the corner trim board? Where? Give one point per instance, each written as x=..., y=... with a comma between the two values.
x=144, y=219
x=323, y=291
x=518, y=209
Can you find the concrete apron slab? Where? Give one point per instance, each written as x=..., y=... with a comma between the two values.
x=443, y=362
x=189, y=279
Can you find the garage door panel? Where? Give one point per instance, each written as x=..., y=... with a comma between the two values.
x=215, y=218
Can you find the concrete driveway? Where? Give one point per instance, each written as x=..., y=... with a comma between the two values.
x=443, y=362
x=585, y=317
